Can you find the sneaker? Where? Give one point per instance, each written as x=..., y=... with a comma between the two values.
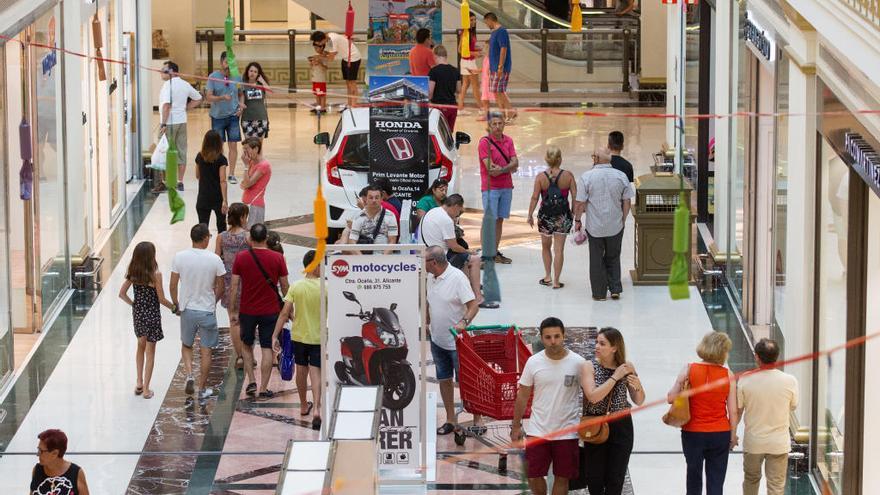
x=615, y=295
x=180, y=186
x=232, y=179
x=190, y=387
x=500, y=258
x=206, y=393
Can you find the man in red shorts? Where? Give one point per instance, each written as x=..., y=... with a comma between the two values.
x=554, y=376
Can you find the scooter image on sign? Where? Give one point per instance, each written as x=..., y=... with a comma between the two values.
x=378, y=356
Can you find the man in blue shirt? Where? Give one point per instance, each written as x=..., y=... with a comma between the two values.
x=499, y=64
x=222, y=94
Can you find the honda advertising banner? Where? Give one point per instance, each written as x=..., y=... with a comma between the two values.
x=373, y=322
x=391, y=32
x=399, y=139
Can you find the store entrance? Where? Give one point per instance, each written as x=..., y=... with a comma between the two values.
x=35, y=196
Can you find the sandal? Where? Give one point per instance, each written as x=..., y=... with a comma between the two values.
x=239, y=363
x=446, y=429
x=316, y=423
x=544, y=282
x=478, y=430
x=309, y=406
x=268, y=394
x=138, y=390
x=251, y=389
x=561, y=285
x=148, y=394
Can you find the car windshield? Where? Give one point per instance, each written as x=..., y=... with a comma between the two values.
x=385, y=317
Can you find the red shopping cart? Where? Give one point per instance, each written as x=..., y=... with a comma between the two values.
x=490, y=360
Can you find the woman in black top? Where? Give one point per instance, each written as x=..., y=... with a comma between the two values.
x=211, y=173
x=610, y=378
x=53, y=475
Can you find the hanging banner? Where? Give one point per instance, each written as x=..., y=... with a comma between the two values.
x=391, y=32
x=373, y=339
x=399, y=139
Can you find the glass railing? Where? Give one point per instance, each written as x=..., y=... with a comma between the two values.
x=597, y=58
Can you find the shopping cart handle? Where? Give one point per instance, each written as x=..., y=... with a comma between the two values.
x=472, y=328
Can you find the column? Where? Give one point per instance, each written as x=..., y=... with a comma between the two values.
x=726, y=43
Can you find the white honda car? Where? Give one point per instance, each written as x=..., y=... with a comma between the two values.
x=346, y=164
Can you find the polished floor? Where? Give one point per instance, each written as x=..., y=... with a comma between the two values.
x=228, y=445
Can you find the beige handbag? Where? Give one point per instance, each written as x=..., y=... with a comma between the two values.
x=680, y=411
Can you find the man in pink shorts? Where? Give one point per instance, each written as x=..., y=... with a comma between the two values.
x=554, y=376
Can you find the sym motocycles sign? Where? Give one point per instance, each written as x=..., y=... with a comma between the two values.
x=373, y=320
x=399, y=139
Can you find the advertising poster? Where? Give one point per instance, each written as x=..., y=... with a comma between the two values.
x=391, y=32
x=399, y=139
x=373, y=339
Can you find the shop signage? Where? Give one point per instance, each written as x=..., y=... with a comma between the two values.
x=865, y=159
x=391, y=32
x=373, y=328
x=756, y=36
x=399, y=141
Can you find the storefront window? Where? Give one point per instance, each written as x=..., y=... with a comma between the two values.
x=833, y=198
x=779, y=219
x=6, y=345
x=49, y=154
x=740, y=132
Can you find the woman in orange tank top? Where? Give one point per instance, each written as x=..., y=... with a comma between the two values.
x=711, y=433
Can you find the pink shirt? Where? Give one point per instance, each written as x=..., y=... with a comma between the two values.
x=503, y=181
x=256, y=194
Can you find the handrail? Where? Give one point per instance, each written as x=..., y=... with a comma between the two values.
x=540, y=39
x=868, y=10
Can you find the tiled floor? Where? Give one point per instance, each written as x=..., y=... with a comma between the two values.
x=89, y=393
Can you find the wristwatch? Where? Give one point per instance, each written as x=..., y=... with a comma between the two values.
x=466, y=321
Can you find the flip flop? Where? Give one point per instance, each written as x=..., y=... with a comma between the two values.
x=561, y=285
x=138, y=390
x=148, y=394
x=478, y=430
x=308, y=409
x=446, y=429
x=545, y=283
x=316, y=423
x=251, y=389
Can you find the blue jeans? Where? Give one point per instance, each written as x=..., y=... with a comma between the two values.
x=228, y=128
x=711, y=449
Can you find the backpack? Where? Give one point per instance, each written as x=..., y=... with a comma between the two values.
x=554, y=203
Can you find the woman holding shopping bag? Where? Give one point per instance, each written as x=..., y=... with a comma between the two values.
x=255, y=182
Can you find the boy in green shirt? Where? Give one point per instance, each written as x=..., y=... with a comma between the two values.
x=302, y=305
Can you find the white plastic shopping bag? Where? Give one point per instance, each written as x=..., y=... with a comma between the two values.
x=157, y=160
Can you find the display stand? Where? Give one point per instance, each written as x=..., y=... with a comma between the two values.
x=375, y=335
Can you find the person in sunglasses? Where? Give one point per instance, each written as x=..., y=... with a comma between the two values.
x=223, y=95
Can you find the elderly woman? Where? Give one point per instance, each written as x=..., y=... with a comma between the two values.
x=711, y=432
x=53, y=474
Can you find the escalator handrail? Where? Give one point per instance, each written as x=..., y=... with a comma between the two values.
x=537, y=7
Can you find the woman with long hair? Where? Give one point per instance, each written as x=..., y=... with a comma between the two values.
x=255, y=117
x=211, y=174
x=607, y=383
x=255, y=182
x=433, y=197
x=710, y=435
x=470, y=72
x=143, y=273
x=227, y=246
x=554, y=215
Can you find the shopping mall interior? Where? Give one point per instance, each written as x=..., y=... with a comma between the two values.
x=752, y=128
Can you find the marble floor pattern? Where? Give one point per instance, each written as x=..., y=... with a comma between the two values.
x=89, y=392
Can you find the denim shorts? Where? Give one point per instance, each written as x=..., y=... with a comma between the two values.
x=445, y=361
x=228, y=128
x=498, y=202
x=203, y=322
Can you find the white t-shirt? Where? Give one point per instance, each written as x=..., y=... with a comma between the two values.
x=198, y=269
x=768, y=397
x=447, y=296
x=556, y=386
x=436, y=227
x=175, y=91
x=338, y=44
